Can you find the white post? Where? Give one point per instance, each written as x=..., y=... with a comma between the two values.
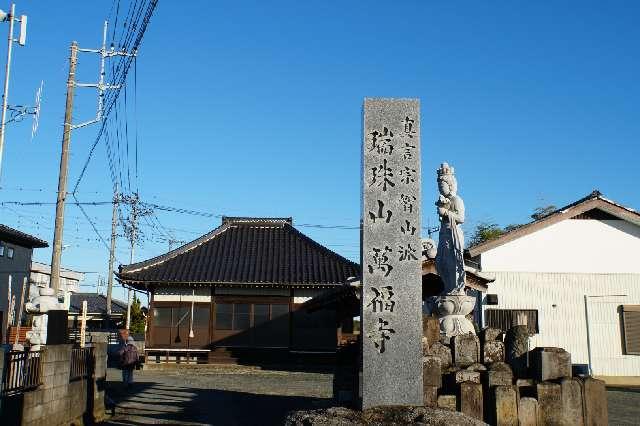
x=24, y=289
x=5, y=96
x=83, y=324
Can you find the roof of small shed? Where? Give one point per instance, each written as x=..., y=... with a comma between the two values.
x=96, y=304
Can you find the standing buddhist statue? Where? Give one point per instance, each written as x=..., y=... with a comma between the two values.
x=452, y=304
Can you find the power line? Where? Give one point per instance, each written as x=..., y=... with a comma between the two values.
x=119, y=77
x=47, y=203
x=95, y=229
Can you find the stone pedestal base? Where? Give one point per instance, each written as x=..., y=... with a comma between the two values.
x=452, y=310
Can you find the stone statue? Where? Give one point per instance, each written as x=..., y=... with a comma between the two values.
x=450, y=258
x=39, y=306
x=453, y=304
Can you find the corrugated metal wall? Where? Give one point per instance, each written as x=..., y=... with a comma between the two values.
x=562, y=315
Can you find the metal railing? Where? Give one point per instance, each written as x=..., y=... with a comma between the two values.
x=81, y=363
x=23, y=372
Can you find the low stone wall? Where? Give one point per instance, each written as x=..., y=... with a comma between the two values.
x=60, y=400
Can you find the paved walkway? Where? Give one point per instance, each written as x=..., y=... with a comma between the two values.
x=220, y=396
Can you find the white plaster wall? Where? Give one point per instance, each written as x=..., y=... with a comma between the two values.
x=573, y=245
x=302, y=295
x=565, y=325
x=240, y=291
x=176, y=294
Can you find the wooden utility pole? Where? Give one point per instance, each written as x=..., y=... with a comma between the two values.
x=112, y=252
x=134, y=221
x=62, y=179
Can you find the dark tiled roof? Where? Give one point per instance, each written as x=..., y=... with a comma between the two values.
x=246, y=251
x=96, y=303
x=18, y=237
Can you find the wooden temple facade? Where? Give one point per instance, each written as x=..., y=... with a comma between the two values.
x=241, y=286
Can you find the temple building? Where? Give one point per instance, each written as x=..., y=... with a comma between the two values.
x=240, y=287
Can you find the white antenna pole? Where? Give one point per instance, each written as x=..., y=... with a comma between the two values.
x=36, y=111
x=5, y=96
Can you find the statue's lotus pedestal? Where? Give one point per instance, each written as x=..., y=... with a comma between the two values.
x=452, y=310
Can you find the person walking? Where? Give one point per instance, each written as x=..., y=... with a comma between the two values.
x=128, y=354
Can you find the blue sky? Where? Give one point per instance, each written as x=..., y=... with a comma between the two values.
x=254, y=108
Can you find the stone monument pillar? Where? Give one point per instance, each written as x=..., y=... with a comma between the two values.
x=453, y=304
x=391, y=254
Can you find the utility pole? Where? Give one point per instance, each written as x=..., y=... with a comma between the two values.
x=5, y=97
x=68, y=127
x=129, y=295
x=64, y=167
x=112, y=251
x=133, y=237
x=132, y=232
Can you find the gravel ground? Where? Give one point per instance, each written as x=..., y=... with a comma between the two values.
x=233, y=395
x=217, y=396
x=624, y=406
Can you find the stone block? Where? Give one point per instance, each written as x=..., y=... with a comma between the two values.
x=425, y=347
x=37, y=412
x=572, y=402
x=466, y=350
x=550, y=363
x=595, y=402
x=476, y=367
x=506, y=407
x=33, y=398
x=526, y=388
x=443, y=352
x=430, y=396
x=467, y=376
x=471, y=402
x=431, y=329
x=489, y=334
x=525, y=382
x=431, y=371
x=447, y=402
x=60, y=380
x=528, y=411
x=498, y=378
x=500, y=366
x=550, y=403
x=48, y=395
x=493, y=351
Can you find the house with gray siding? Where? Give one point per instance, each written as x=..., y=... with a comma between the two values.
x=16, y=249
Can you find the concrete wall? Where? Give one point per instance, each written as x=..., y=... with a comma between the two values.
x=573, y=245
x=563, y=316
x=59, y=401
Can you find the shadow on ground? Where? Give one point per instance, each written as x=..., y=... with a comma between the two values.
x=160, y=403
